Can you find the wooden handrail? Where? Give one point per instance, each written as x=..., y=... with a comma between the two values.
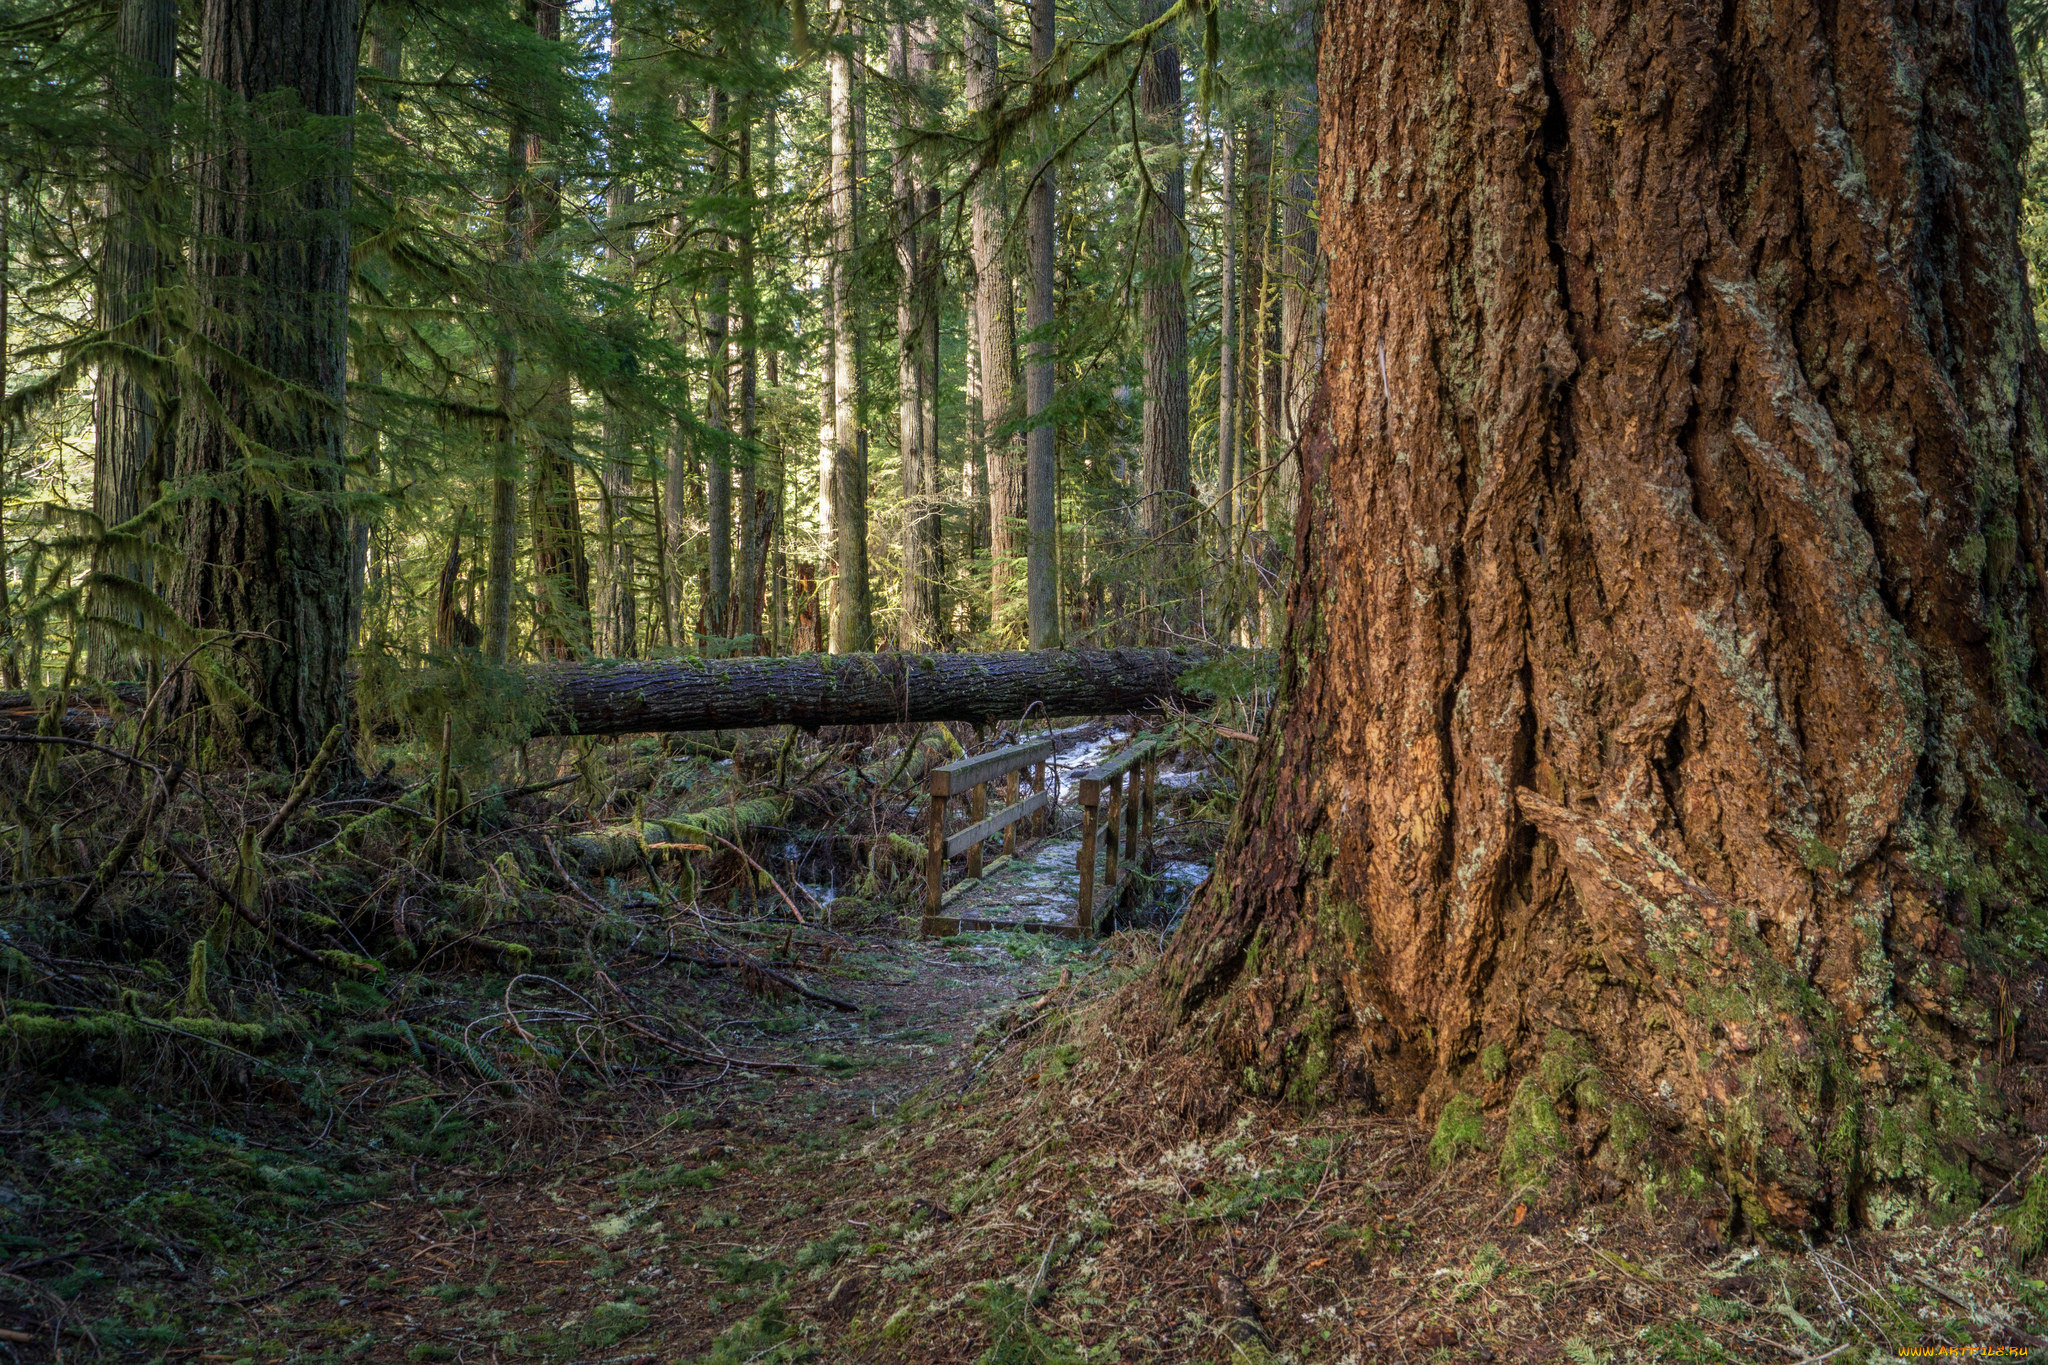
x=959, y=843
x=964, y=773
x=969, y=777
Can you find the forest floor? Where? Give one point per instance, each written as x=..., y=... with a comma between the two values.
x=977, y=1168
x=997, y=1155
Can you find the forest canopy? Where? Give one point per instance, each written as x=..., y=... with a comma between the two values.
x=652, y=329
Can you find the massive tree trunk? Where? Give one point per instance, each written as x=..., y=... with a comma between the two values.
x=1041, y=568
x=126, y=463
x=995, y=321
x=1659, y=757
x=857, y=689
x=1164, y=453
x=266, y=552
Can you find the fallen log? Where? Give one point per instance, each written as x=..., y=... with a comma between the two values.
x=813, y=690
x=808, y=690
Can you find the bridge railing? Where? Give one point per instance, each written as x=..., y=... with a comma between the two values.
x=1103, y=798
x=969, y=779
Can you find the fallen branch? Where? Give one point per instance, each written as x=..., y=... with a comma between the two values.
x=250, y=917
x=741, y=962
x=300, y=791
x=115, y=862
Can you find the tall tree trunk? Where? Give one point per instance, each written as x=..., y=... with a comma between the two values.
x=505, y=462
x=270, y=273
x=619, y=625
x=1300, y=285
x=126, y=461
x=852, y=620
x=562, y=624
x=974, y=471
x=1660, y=751
x=675, y=521
x=995, y=318
x=828, y=545
x=910, y=62
x=10, y=659
x=756, y=506
x=931, y=528
x=1041, y=566
x=386, y=51
x=718, y=398
x=1164, y=452
x=1226, y=345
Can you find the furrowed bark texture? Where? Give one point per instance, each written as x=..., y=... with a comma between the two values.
x=1041, y=476
x=267, y=549
x=853, y=629
x=996, y=323
x=1164, y=452
x=860, y=689
x=1664, y=662
x=127, y=462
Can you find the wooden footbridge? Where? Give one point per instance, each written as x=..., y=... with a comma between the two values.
x=1043, y=882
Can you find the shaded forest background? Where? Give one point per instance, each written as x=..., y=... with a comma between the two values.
x=592, y=326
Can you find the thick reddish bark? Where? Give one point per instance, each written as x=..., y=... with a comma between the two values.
x=1664, y=667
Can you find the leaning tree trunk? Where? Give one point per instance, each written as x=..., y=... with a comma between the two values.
x=266, y=550
x=1660, y=757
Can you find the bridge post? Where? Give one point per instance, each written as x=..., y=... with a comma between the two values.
x=1084, y=908
x=934, y=849
x=1131, y=809
x=1111, y=809
x=1151, y=785
x=1013, y=792
x=977, y=811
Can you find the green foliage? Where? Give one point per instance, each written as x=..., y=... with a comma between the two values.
x=826, y=1251
x=1018, y=1340
x=765, y=1338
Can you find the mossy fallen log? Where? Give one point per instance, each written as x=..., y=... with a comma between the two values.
x=808, y=690
x=616, y=848
x=860, y=689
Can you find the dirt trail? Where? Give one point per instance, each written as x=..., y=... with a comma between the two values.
x=649, y=1239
